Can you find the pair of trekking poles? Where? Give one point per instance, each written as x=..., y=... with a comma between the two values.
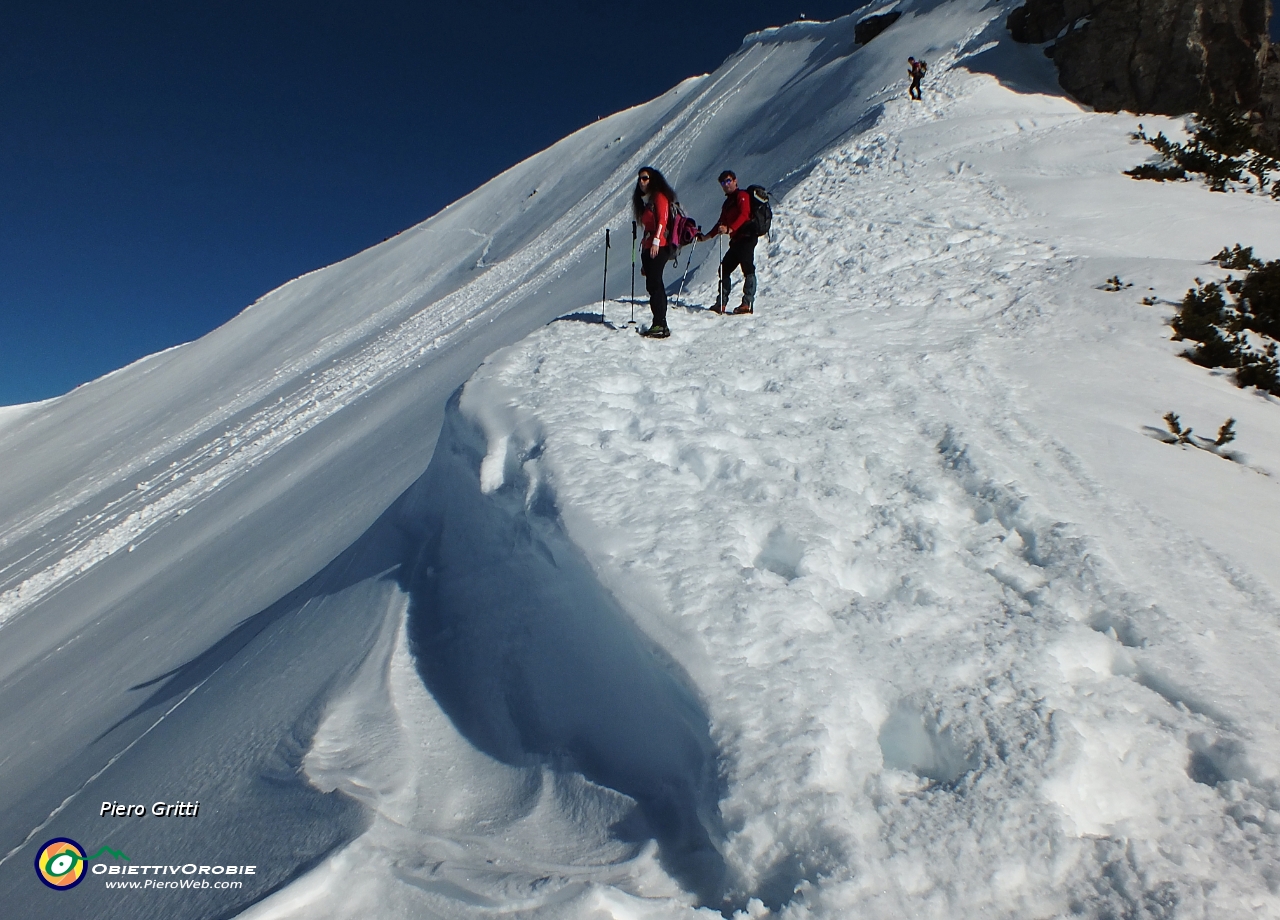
x=604, y=291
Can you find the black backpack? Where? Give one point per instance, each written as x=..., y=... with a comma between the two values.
x=761, y=212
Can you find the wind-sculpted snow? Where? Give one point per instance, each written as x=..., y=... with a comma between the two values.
x=516, y=640
x=518, y=740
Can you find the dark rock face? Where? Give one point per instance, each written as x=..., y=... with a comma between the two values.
x=869, y=28
x=1269, y=105
x=1161, y=56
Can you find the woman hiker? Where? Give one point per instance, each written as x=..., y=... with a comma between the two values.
x=653, y=203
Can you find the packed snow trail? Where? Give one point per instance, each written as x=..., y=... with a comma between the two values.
x=951, y=668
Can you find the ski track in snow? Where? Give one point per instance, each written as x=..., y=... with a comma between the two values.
x=934, y=693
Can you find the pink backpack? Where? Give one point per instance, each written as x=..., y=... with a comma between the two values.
x=683, y=229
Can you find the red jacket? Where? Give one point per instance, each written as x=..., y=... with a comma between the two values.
x=656, y=219
x=735, y=212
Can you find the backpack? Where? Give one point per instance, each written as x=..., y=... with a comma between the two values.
x=761, y=212
x=683, y=229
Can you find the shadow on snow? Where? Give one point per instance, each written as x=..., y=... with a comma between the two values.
x=537, y=664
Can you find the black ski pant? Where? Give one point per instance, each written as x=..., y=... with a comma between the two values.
x=914, y=92
x=651, y=267
x=742, y=251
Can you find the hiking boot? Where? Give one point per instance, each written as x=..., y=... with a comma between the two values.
x=717, y=307
x=657, y=332
x=743, y=308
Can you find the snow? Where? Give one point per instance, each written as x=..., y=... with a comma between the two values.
x=882, y=602
x=11, y=414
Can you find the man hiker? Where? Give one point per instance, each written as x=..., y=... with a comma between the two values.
x=735, y=220
x=915, y=70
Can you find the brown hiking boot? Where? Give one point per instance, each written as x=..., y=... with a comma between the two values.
x=743, y=308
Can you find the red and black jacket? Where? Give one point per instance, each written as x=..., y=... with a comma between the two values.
x=735, y=214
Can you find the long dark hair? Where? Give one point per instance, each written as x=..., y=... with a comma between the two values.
x=656, y=184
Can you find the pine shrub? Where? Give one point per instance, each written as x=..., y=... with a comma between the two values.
x=1238, y=333
x=1238, y=258
x=1259, y=294
x=1185, y=436
x=1260, y=370
x=1202, y=311
x=1222, y=148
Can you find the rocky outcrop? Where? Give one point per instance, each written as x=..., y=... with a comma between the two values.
x=869, y=28
x=1269, y=105
x=1159, y=56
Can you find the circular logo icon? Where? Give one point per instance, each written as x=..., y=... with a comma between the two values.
x=60, y=863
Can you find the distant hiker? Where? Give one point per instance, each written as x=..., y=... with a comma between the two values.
x=735, y=220
x=915, y=70
x=654, y=204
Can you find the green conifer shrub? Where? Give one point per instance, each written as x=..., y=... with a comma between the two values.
x=1241, y=259
x=1223, y=148
x=1241, y=332
x=1259, y=295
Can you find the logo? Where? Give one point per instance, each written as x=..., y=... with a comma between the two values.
x=60, y=862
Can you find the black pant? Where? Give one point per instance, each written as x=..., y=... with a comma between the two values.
x=914, y=91
x=742, y=251
x=651, y=267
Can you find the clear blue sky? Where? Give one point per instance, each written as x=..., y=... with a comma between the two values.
x=166, y=163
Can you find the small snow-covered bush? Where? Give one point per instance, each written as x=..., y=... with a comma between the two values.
x=1237, y=257
x=1235, y=323
x=1184, y=436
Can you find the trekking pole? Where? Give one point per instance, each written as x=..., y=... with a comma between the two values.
x=605, y=288
x=688, y=262
x=721, y=297
x=633, y=273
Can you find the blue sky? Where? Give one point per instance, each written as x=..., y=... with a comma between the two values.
x=165, y=164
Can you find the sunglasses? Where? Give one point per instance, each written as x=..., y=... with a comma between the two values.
x=645, y=178
x=728, y=181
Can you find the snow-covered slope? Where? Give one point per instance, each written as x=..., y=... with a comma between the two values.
x=880, y=602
